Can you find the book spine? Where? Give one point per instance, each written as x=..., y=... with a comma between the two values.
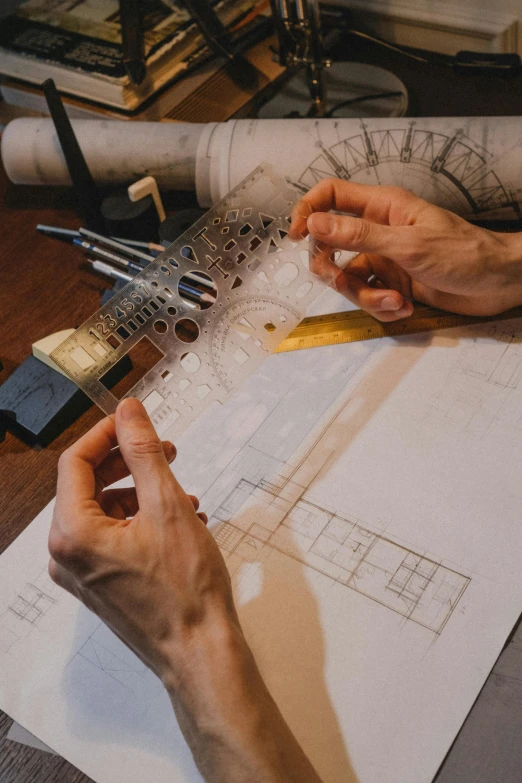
x=63, y=47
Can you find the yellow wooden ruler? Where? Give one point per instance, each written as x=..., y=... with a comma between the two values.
x=355, y=325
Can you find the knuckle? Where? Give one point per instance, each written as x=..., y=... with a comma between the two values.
x=330, y=182
x=144, y=444
x=64, y=460
x=415, y=248
x=60, y=547
x=359, y=231
x=54, y=572
x=67, y=549
x=401, y=194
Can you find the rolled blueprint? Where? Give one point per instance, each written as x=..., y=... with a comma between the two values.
x=471, y=165
x=116, y=151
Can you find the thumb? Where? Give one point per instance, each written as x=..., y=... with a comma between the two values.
x=362, y=236
x=143, y=454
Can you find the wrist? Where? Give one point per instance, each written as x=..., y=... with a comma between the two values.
x=218, y=641
x=510, y=269
x=220, y=700
x=228, y=718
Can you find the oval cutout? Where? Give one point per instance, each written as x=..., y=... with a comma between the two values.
x=160, y=327
x=197, y=289
x=171, y=310
x=304, y=255
x=190, y=362
x=286, y=275
x=304, y=290
x=186, y=330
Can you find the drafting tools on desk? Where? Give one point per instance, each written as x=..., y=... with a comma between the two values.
x=147, y=186
x=68, y=234
x=356, y=325
x=264, y=287
x=83, y=183
x=106, y=255
x=111, y=271
x=118, y=245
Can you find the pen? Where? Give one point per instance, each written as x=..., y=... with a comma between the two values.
x=60, y=233
x=131, y=251
x=200, y=279
x=105, y=255
x=68, y=234
x=136, y=243
x=110, y=271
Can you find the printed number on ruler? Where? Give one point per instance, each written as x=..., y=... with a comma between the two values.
x=214, y=305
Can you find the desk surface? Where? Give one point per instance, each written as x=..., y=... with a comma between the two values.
x=45, y=287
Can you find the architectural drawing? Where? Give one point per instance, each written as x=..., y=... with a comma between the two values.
x=26, y=610
x=418, y=159
x=103, y=655
x=472, y=166
x=257, y=517
x=273, y=505
x=375, y=561
x=484, y=388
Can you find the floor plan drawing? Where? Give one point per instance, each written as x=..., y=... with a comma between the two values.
x=26, y=610
x=484, y=389
x=372, y=532
x=410, y=584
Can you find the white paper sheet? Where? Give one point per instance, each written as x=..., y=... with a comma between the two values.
x=18, y=734
x=367, y=498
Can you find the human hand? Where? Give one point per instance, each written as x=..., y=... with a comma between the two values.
x=408, y=249
x=144, y=561
x=141, y=558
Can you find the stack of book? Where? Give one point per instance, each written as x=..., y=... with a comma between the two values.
x=79, y=46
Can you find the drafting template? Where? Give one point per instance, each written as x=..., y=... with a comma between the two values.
x=366, y=498
x=262, y=285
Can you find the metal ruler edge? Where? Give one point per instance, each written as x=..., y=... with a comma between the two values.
x=356, y=325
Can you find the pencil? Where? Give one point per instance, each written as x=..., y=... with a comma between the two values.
x=105, y=255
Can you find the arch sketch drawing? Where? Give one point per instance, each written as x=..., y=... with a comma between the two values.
x=422, y=161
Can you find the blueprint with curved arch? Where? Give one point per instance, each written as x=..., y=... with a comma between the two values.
x=470, y=165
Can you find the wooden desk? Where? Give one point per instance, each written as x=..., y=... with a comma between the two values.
x=43, y=288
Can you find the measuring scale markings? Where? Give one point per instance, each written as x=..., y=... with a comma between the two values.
x=264, y=287
x=239, y=331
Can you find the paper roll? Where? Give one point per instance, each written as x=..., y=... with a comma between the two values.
x=115, y=151
x=470, y=165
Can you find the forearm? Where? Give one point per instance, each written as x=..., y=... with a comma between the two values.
x=231, y=723
x=511, y=268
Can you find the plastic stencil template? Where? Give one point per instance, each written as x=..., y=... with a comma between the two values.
x=258, y=286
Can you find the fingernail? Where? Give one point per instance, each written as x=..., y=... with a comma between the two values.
x=321, y=223
x=170, y=450
x=131, y=408
x=389, y=303
x=404, y=311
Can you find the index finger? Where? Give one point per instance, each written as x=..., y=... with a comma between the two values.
x=76, y=479
x=371, y=201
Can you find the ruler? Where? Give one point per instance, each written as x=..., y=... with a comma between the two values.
x=356, y=325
